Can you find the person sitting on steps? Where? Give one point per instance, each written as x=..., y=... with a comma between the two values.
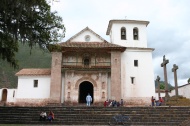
x=50, y=116
x=43, y=116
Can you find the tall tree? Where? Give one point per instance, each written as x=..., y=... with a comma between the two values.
x=27, y=21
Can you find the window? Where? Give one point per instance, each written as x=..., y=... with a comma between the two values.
x=13, y=93
x=86, y=62
x=135, y=34
x=35, y=83
x=87, y=38
x=132, y=80
x=136, y=63
x=123, y=33
x=86, y=59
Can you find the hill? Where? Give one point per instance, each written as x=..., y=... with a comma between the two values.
x=27, y=58
x=170, y=87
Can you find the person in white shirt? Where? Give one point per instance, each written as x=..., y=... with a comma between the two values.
x=43, y=116
x=88, y=99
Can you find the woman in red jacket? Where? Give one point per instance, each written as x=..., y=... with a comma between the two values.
x=50, y=116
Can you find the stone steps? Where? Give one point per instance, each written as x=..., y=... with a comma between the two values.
x=95, y=115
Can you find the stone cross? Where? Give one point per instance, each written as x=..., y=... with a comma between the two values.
x=158, y=82
x=174, y=69
x=165, y=77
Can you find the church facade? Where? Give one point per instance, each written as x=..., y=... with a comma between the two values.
x=86, y=63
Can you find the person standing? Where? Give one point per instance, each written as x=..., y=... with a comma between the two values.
x=121, y=102
x=152, y=100
x=88, y=99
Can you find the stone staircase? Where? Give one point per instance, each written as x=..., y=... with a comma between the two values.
x=82, y=115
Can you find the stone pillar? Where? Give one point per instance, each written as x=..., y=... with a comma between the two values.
x=158, y=83
x=165, y=77
x=56, y=83
x=116, y=75
x=174, y=69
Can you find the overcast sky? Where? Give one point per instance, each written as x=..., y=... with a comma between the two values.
x=168, y=31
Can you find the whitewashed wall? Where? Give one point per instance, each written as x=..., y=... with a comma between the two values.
x=129, y=42
x=81, y=37
x=26, y=87
x=144, y=75
x=11, y=94
x=182, y=90
x=162, y=94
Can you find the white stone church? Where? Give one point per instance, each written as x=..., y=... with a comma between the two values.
x=119, y=69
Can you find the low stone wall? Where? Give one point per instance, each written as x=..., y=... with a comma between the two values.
x=31, y=102
x=137, y=101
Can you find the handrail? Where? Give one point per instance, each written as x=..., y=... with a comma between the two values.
x=91, y=64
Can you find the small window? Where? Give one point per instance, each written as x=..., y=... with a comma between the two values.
x=135, y=34
x=35, y=83
x=86, y=62
x=132, y=80
x=123, y=33
x=136, y=63
x=13, y=93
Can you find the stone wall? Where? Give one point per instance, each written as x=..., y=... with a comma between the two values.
x=73, y=79
x=55, y=87
x=31, y=102
x=137, y=101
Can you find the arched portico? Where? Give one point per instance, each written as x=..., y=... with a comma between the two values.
x=85, y=79
x=84, y=88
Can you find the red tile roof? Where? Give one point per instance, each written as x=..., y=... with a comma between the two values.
x=95, y=45
x=33, y=72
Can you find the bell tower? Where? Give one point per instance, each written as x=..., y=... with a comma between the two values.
x=128, y=33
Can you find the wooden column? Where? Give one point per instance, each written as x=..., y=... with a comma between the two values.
x=165, y=77
x=56, y=83
x=174, y=69
x=116, y=75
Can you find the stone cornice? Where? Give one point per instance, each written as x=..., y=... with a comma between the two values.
x=138, y=48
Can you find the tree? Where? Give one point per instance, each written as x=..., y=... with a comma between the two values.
x=162, y=86
x=188, y=81
x=30, y=22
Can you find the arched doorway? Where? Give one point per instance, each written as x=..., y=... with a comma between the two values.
x=85, y=88
x=4, y=95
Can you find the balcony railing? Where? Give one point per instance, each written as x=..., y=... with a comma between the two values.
x=86, y=65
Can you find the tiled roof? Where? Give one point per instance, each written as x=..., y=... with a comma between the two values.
x=90, y=45
x=33, y=72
